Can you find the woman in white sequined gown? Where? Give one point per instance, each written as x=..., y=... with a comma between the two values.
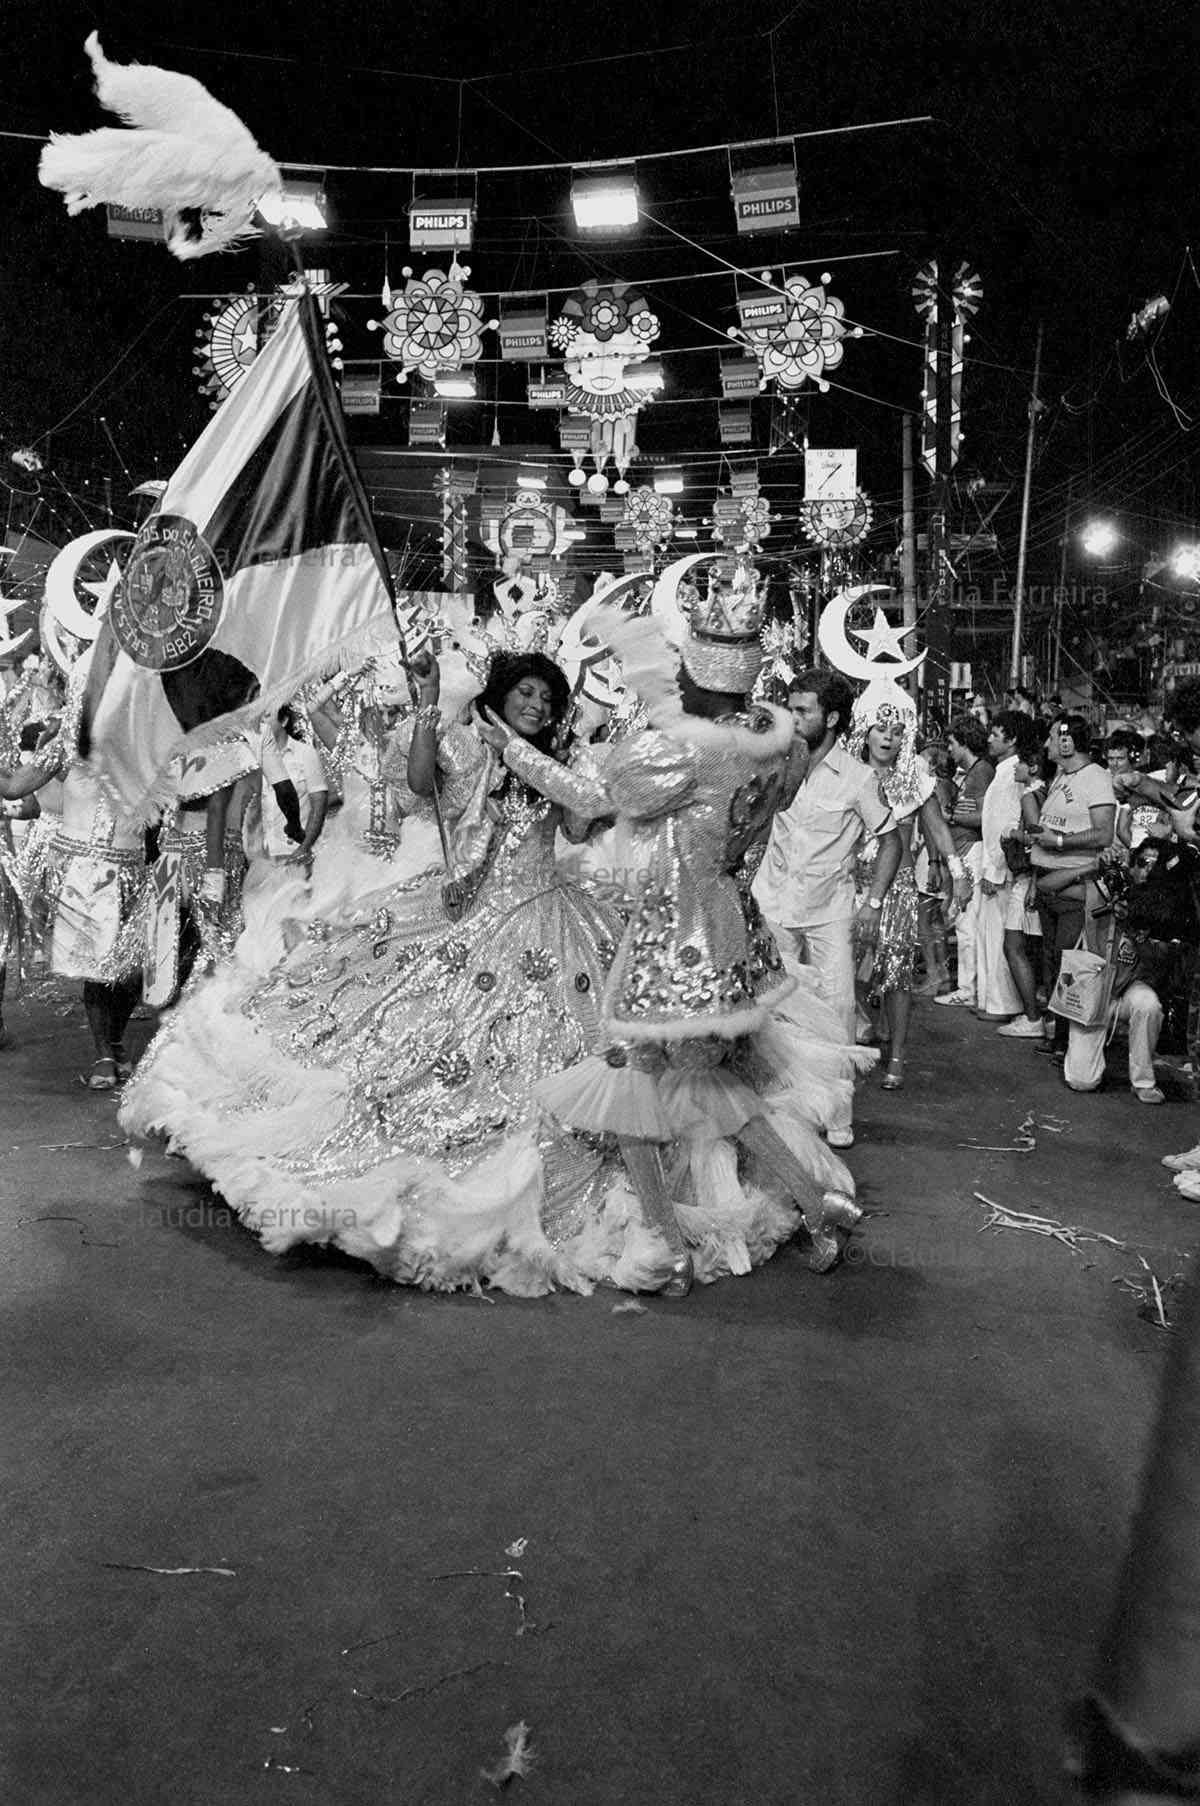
x=374, y=1091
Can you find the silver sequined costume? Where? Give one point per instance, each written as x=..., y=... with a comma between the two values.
x=374, y=1091
x=899, y=937
x=700, y=1038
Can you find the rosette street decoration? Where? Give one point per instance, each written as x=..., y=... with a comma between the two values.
x=651, y=517
x=745, y=519
x=435, y=325
x=808, y=341
x=604, y=333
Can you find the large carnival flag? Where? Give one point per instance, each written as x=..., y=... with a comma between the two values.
x=259, y=569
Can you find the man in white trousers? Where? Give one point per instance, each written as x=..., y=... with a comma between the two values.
x=967, y=745
x=1002, y=904
x=805, y=884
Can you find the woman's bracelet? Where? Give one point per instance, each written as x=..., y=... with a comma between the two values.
x=428, y=715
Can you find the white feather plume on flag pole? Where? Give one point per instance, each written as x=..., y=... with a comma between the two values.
x=179, y=149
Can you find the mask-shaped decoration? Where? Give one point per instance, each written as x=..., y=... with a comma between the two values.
x=604, y=333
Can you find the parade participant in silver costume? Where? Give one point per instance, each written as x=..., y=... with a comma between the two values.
x=697, y=974
x=375, y=1090
x=84, y=884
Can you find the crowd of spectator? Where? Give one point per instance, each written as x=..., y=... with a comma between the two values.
x=1080, y=839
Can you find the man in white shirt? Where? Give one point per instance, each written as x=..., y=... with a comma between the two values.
x=1003, y=899
x=805, y=884
x=287, y=758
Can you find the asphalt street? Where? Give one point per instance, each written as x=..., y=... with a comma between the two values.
x=278, y=1530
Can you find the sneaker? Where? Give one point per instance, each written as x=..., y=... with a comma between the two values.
x=956, y=997
x=1148, y=1094
x=1022, y=1028
x=839, y=1138
x=1187, y=1162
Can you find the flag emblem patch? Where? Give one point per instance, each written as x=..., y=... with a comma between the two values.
x=171, y=596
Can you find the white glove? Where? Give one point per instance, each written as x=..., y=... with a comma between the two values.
x=212, y=886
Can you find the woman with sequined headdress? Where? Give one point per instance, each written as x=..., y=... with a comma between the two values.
x=375, y=1090
x=883, y=732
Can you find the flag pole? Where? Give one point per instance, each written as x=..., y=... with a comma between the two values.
x=335, y=425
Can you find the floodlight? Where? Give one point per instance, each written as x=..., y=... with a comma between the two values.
x=603, y=198
x=457, y=385
x=296, y=207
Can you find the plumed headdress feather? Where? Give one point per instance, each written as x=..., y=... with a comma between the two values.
x=179, y=149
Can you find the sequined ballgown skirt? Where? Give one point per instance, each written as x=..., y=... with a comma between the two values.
x=374, y=1091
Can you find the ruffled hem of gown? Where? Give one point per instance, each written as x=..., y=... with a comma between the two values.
x=409, y=1218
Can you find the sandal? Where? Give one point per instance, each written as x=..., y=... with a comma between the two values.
x=103, y=1076
x=123, y=1063
x=893, y=1078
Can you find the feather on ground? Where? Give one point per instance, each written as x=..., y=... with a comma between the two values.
x=518, y=1757
x=179, y=150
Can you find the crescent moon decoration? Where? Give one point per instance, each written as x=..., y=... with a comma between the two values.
x=664, y=603
x=68, y=623
x=592, y=670
x=831, y=637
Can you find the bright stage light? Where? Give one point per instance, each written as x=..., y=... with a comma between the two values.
x=457, y=387
x=668, y=482
x=605, y=198
x=1185, y=563
x=296, y=207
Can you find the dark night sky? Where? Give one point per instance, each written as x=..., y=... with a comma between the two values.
x=1061, y=165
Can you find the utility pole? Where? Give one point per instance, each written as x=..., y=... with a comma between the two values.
x=1014, y=668
x=1060, y=594
x=908, y=540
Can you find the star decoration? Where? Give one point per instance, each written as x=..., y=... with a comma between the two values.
x=103, y=590
x=883, y=639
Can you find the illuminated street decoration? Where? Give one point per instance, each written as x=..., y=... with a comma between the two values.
x=435, y=325
x=807, y=341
